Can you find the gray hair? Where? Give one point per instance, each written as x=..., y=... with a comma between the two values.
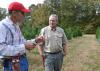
x=54, y=15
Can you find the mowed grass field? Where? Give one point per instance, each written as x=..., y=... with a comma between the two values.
x=83, y=55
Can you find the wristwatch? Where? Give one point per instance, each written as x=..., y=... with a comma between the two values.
x=34, y=41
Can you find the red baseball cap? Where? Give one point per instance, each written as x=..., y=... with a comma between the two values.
x=17, y=6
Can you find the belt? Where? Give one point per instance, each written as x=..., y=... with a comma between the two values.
x=15, y=62
x=54, y=52
x=10, y=57
x=17, y=58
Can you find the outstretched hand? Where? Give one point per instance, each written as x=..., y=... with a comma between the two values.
x=29, y=45
x=39, y=39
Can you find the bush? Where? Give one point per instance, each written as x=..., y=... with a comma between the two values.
x=29, y=31
x=76, y=32
x=98, y=34
x=73, y=32
x=68, y=33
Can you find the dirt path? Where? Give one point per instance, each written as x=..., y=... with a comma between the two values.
x=83, y=54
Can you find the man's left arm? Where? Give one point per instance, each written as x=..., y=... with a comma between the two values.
x=64, y=44
x=65, y=49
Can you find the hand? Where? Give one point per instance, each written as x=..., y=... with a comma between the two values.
x=39, y=39
x=64, y=53
x=29, y=45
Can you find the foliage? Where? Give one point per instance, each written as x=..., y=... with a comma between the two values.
x=68, y=33
x=98, y=34
x=30, y=31
x=74, y=14
x=39, y=16
x=2, y=13
x=73, y=32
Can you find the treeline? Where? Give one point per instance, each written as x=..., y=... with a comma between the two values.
x=75, y=16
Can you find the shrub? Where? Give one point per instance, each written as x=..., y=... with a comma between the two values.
x=29, y=31
x=68, y=33
x=73, y=32
x=98, y=34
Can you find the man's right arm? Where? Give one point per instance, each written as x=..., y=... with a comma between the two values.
x=40, y=46
x=40, y=50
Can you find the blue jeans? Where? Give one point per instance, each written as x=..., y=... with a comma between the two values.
x=23, y=64
x=53, y=62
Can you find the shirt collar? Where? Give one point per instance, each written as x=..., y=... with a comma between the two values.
x=8, y=20
x=52, y=29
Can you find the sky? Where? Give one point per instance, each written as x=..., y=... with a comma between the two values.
x=26, y=3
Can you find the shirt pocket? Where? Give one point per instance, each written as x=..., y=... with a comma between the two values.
x=59, y=37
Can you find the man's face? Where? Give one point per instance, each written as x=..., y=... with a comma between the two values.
x=20, y=16
x=53, y=21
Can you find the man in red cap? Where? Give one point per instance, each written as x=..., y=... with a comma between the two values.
x=12, y=42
